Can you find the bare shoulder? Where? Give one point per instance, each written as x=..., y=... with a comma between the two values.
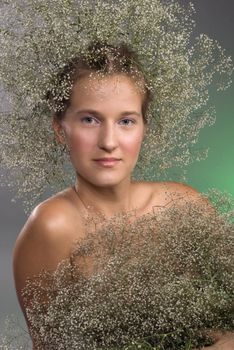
x=50, y=226
x=172, y=192
x=44, y=241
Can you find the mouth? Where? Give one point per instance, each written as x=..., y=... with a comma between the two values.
x=107, y=162
x=107, y=159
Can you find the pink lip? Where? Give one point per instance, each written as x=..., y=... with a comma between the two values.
x=107, y=159
x=108, y=162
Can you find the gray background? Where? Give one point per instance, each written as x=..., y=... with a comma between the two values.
x=215, y=18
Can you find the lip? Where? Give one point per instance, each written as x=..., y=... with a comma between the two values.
x=107, y=159
x=107, y=162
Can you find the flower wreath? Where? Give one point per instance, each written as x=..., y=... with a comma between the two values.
x=39, y=37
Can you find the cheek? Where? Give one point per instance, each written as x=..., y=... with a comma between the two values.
x=81, y=142
x=84, y=142
x=132, y=144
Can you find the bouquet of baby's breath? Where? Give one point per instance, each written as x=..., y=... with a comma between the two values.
x=161, y=281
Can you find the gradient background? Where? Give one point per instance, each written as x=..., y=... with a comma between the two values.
x=215, y=18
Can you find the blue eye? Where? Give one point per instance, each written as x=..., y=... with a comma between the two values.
x=90, y=120
x=87, y=120
x=128, y=120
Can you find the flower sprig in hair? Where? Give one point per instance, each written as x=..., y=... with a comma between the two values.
x=38, y=38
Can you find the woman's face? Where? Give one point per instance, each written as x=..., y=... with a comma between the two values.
x=104, y=120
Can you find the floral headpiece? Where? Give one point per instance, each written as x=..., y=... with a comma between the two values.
x=39, y=37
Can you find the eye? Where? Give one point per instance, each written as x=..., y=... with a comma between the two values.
x=127, y=121
x=88, y=119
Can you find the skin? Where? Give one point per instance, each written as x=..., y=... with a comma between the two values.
x=107, y=132
x=47, y=236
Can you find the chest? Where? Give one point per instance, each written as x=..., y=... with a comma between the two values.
x=148, y=202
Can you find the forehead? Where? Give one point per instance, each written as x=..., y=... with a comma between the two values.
x=104, y=89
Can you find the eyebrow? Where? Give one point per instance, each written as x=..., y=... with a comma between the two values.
x=92, y=111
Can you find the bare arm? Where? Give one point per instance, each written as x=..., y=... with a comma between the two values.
x=42, y=244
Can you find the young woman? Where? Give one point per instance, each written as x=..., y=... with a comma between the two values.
x=102, y=126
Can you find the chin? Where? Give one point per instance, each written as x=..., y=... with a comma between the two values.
x=106, y=181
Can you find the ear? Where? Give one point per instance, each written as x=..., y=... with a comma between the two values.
x=58, y=130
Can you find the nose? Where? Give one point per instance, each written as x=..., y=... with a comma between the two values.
x=108, y=139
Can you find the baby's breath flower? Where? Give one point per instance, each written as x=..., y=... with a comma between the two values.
x=161, y=282
x=38, y=38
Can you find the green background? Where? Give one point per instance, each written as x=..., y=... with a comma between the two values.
x=215, y=18
x=217, y=170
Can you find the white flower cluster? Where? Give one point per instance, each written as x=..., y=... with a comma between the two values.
x=38, y=38
x=162, y=282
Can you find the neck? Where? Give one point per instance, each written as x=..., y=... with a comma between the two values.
x=109, y=200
